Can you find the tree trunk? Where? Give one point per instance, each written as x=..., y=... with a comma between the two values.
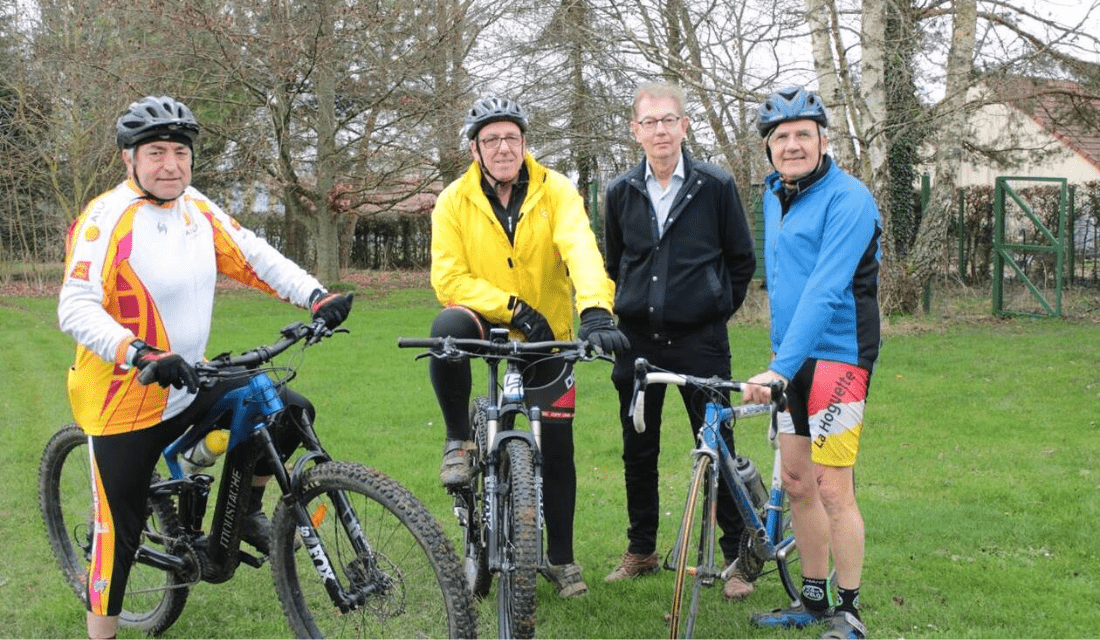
x=920, y=267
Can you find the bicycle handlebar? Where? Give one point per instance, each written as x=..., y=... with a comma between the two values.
x=645, y=375
x=452, y=347
x=291, y=334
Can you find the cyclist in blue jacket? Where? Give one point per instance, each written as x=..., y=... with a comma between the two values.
x=821, y=251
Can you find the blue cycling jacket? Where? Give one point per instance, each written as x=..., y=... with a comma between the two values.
x=821, y=252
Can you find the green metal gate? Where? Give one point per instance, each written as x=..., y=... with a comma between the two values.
x=1011, y=254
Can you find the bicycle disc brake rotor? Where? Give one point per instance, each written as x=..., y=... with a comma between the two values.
x=383, y=587
x=751, y=555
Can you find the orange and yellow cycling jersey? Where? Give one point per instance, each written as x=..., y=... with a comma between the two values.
x=138, y=270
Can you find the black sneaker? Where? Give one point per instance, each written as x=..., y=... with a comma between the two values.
x=845, y=624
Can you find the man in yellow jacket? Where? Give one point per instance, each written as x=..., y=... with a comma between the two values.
x=511, y=247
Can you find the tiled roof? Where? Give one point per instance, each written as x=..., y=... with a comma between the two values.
x=1062, y=108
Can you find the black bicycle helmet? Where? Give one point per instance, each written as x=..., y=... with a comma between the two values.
x=494, y=109
x=152, y=118
x=790, y=103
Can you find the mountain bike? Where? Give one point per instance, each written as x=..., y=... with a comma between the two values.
x=353, y=553
x=767, y=536
x=500, y=510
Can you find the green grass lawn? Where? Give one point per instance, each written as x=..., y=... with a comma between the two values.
x=978, y=477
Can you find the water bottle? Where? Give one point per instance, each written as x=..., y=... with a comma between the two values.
x=751, y=477
x=205, y=452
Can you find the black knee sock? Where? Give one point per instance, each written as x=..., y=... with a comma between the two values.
x=814, y=594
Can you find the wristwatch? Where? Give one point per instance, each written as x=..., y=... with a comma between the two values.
x=136, y=347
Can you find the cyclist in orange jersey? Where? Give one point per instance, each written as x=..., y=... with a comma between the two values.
x=142, y=262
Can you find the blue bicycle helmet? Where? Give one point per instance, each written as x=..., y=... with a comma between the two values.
x=790, y=103
x=153, y=118
x=494, y=109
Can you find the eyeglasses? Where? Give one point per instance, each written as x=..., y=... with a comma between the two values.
x=492, y=143
x=650, y=124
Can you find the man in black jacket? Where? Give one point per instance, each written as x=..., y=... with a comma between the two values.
x=679, y=249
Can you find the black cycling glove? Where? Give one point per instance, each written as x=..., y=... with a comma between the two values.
x=333, y=308
x=598, y=328
x=532, y=323
x=165, y=368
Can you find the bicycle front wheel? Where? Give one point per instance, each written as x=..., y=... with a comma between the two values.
x=394, y=565
x=519, y=542
x=154, y=598
x=694, y=556
x=475, y=554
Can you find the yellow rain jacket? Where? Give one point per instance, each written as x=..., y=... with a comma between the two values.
x=554, y=258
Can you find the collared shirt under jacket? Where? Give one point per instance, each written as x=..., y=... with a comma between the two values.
x=699, y=270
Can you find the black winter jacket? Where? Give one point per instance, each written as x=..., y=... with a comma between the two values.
x=699, y=270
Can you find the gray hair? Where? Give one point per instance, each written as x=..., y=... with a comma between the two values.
x=659, y=90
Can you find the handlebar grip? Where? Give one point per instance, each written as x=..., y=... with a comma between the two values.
x=639, y=411
x=417, y=342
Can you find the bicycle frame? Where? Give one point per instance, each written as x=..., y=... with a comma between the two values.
x=254, y=407
x=712, y=445
x=496, y=436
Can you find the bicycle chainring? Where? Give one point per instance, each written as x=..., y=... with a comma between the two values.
x=751, y=557
x=196, y=561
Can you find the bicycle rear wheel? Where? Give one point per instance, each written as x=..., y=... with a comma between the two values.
x=519, y=542
x=694, y=556
x=154, y=598
x=406, y=583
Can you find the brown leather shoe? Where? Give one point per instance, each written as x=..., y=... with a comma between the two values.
x=634, y=565
x=737, y=588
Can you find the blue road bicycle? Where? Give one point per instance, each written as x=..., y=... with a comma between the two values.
x=767, y=543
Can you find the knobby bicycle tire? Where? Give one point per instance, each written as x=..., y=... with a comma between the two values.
x=692, y=572
x=154, y=598
x=475, y=553
x=411, y=578
x=520, y=541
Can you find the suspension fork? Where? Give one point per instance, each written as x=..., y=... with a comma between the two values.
x=342, y=598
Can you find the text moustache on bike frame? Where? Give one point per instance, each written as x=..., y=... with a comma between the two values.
x=512, y=247
x=679, y=249
x=142, y=261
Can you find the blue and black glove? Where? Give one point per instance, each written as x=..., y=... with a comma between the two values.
x=598, y=328
x=164, y=367
x=333, y=308
x=531, y=323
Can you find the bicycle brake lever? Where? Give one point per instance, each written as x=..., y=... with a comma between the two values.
x=778, y=396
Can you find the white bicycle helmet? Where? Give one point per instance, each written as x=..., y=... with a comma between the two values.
x=494, y=109
x=152, y=118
